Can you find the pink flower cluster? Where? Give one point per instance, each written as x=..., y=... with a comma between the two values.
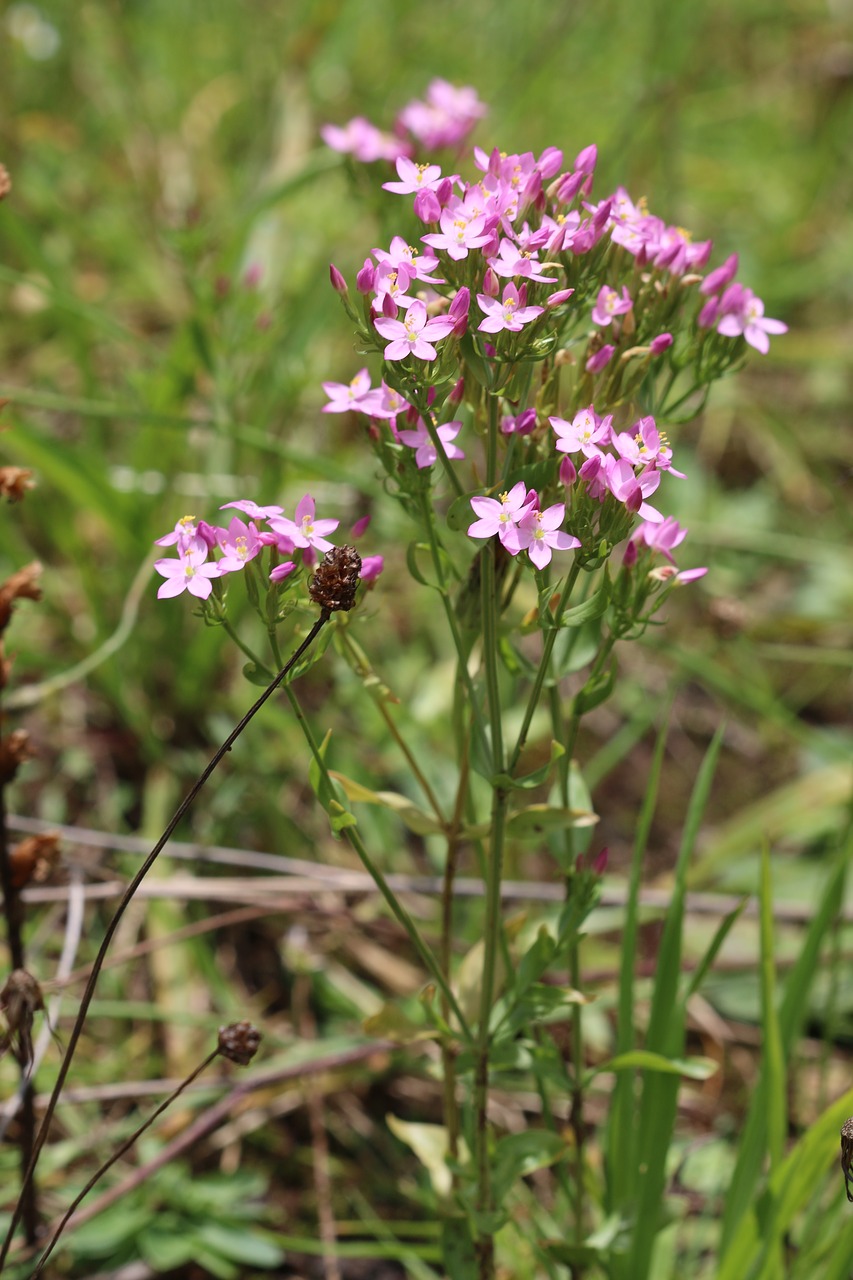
x=735, y=310
x=195, y=540
x=444, y=118
x=521, y=526
x=385, y=404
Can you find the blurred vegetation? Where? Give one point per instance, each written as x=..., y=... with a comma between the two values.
x=158, y=151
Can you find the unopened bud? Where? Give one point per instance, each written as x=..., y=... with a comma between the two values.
x=339, y=284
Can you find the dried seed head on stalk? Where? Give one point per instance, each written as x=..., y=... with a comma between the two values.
x=15, y=749
x=239, y=1042
x=33, y=859
x=14, y=482
x=335, y=582
x=20, y=1000
x=22, y=585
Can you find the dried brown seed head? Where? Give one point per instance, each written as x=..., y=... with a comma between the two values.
x=335, y=583
x=20, y=1000
x=847, y=1154
x=14, y=482
x=239, y=1042
x=14, y=750
x=33, y=859
x=22, y=585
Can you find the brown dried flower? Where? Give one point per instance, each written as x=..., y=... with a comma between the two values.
x=20, y=1000
x=5, y=182
x=32, y=860
x=239, y=1042
x=14, y=482
x=335, y=582
x=22, y=585
x=14, y=750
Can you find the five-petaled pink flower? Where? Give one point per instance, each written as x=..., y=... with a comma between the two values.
x=540, y=531
x=608, y=305
x=239, y=544
x=743, y=313
x=421, y=441
x=413, y=177
x=506, y=313
x=188, y=573
x=501, y=516
x=305, y=531
x=414, y=335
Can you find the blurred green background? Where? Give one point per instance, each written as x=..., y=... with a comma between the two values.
x=159, y=150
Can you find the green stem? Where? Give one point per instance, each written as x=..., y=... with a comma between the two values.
x=399, y=912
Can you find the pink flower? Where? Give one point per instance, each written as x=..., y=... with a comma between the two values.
x=630, y=489
x=585, y=433
x=412, y=336
x=185, y=534
x=413, y=177
x=609, y=305
x=647, y=447
x=250, y=508
x=364, y=141
x=747, y=318
x=446, y=117
x=501, y=516
x=541, y=531
x=508, y=313
x=421, y=441
x=344, y=396
x=662, y=536
x=188, y=573
x=513, y=261
x=458, y=233
x=239, y=544
x=305, y=531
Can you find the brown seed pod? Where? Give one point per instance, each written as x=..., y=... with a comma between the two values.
x=335, y=582
x=32, y=860
x=14, y=750
x=20, y=1000
x=23, y=584
x=239, y=1042
x=14, y=482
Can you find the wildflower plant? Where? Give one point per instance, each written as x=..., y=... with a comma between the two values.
x=528, y=349
x=534, y=348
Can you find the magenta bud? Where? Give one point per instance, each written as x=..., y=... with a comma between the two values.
x=634, y=500
x=282, y=571
x=339, y=284
x=568, y=187
x=389, y=307
x=599, y=862
x=597, y=362
x=590, y=468
x=359, y=527
x=586, y=160
x=458, y=312
x=207, y=532
x=491, y=284
x=550, y=162
x=366, y=277
x=562, y=295
x=522, y=294
x=427, y=207
x=709, y=313
x=457, y=393
x=721, y=276
x=444, y=191
x=660, y=344
x=629, y=559
x=568, y=471
x=371, y=567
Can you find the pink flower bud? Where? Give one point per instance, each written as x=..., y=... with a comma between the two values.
x=339, y=284
x=282, y=571
x=549, y=162
x=253, y=275
x=389, y=307
x=427, y=206
x=457, y=393
x=556, y=299
x=371, y=567
x=568, y=471
x=597, y=361
x=491, y=284
x=660, y=344
x=366, y=278
x=359, y=527
x=586, y=160
x=599, y=862
x=720, y=277
x=444, y=191
x=629, y=559
x=458, y=311
x=708, y=315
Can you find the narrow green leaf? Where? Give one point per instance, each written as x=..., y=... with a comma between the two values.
x=697, y=1068
x=773, y=1057
x=594, y=607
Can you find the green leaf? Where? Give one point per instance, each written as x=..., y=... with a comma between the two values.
x=431, y=1145
x=417, y=820
x=536, y=778
x=249, y=1248
x=536, y=819
x=594, y=607
x=460, y=512
x=519, y=1154
x=393, y=1023
x=595, y=691
x=258, y=675
x=696, y=1068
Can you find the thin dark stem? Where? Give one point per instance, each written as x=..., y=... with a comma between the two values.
x=117, y=1154
x=89, y=991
